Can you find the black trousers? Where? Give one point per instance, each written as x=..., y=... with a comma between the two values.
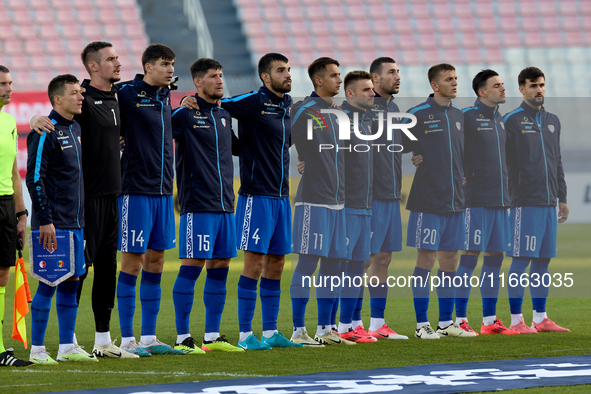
x=101, y=233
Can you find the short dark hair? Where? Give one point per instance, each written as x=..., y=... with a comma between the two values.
x=156, y=51
x=57, y=85
x=434, y=71
x=377, y=65
x=266, y=62
x=318, y=66
x=357, y=75
x=90, y=53
x=203, y=65
x=479, y=81
x=531, y=73
x=3, y=69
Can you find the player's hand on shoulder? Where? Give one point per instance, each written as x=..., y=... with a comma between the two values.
x=190, y=102
x=41, y=124
x=562, y=212
x=416, y=159
x=301, y=166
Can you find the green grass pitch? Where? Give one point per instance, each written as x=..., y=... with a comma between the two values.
x=573, y=256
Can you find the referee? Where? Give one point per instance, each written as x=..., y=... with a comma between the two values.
x=11, y=201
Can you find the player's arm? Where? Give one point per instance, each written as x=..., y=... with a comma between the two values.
x=243, y=105
x=39, y=153
x=562, y=207
x=235, y=145
x=18, y=202
x=179, y=124
x=41, y=124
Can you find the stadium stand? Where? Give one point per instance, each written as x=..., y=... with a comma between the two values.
x=46, y=37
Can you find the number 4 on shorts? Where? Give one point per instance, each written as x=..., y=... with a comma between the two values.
x=256, y=237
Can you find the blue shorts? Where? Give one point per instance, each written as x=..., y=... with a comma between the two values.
x=386, y=226
x=263, y=224
x=534, y=232
x=78, y=252
x=319, y=231
x=207, y=235
x=358, y=234
x=488, y=229
x=433, y=231
x=146, y=222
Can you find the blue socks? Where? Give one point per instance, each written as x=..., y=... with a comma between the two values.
x=183, y=293
x=350, y=292
x=150, y=294
x=40, y=313
x=467, y=264
x=489, y=289
x=378, y=300
x=540, y=293
x=270, y=300
x=214, y=297
x=67, y=308
x=301, y=294
x=446, y=294
x=516, y=293
x=358, y=306
x=421, y=294
x=247, y=302
x=326, y=298
x=126, y=302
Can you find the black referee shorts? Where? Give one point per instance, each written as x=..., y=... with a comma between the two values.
x=7, y=232
x=101, y=230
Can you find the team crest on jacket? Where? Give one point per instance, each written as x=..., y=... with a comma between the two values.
x=224, y=122
x=459, y=125
x=551, y=128
x=288, y=111
x=502, y=125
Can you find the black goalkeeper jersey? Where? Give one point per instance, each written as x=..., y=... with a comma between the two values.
x=101, y=125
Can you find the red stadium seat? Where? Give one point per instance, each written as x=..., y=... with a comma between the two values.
x=547, y=8
x=303, y=44
x=552, y=39
x=314, y=13
x=276, y=27
x=494, y=56
x=473, y=56
x=487, y=24
x=107, y=16
x=249, y=14
x=406, y=41
x=364, y=42
x=22, y=15
x=409, y=57
x=442, y=10
x=69, y=30
x=419, y=8
x=573, y=38
x=43, y=16
x=491, y=40
x=587, y=22
x=112, y=31
x=34, y=46
x=402, y=26
x=361, y=27
x=65, y=15
x=385, y=42
x=533, y=40
x=550, y=23
x=354, y=11
x=452, y=56
x=570, y=23
x=26, y=30
x=466, y=25
x=511, y=40
x=431, y=56
x=448, y=40
x=469, y=40
x=134, y=30
x=484, y=9
x=462, y=9
x=348, y=58
x=531, y=24
x=424, y=25
x=293, y=13
x=446, y=25
x=253, y=29
x=427, y=41
x=377, y=10
x=297, y=28
x=18, y=62
x=86, y=16
x=39, y=4
x=54, y=45
x=259, y=44
x=92, y=32
x=506, y=8
x=526, y=7
x=129, y=14
x=509, y=24
x=339, y=26
x=6, y=32
x=568, y=7
x=272, y=13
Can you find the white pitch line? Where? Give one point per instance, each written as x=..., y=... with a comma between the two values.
x=113, y=372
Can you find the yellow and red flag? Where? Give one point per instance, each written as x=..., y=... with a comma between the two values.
x=22, y=297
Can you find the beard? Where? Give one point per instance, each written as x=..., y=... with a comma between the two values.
x=536, y=101
x=279, y=87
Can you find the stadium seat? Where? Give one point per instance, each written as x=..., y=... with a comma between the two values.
x=406, y=41
x=43, y=16
x=484, y=9
x=402, y=26
x=427, y=41
x=494, y=56
x=442, y=10
x=511, y=40
x=506, y=8
x=65, y=15
x=424, y=25
x=533, y=40
x=568, y=7
x=431, y=56
x=447, y=40
x=446, y=25
x=34, y=46
x=469, y=40
x=462, y=9
x=272, y=13
x=314, y=13
x=48, y=31
x=490, y=40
